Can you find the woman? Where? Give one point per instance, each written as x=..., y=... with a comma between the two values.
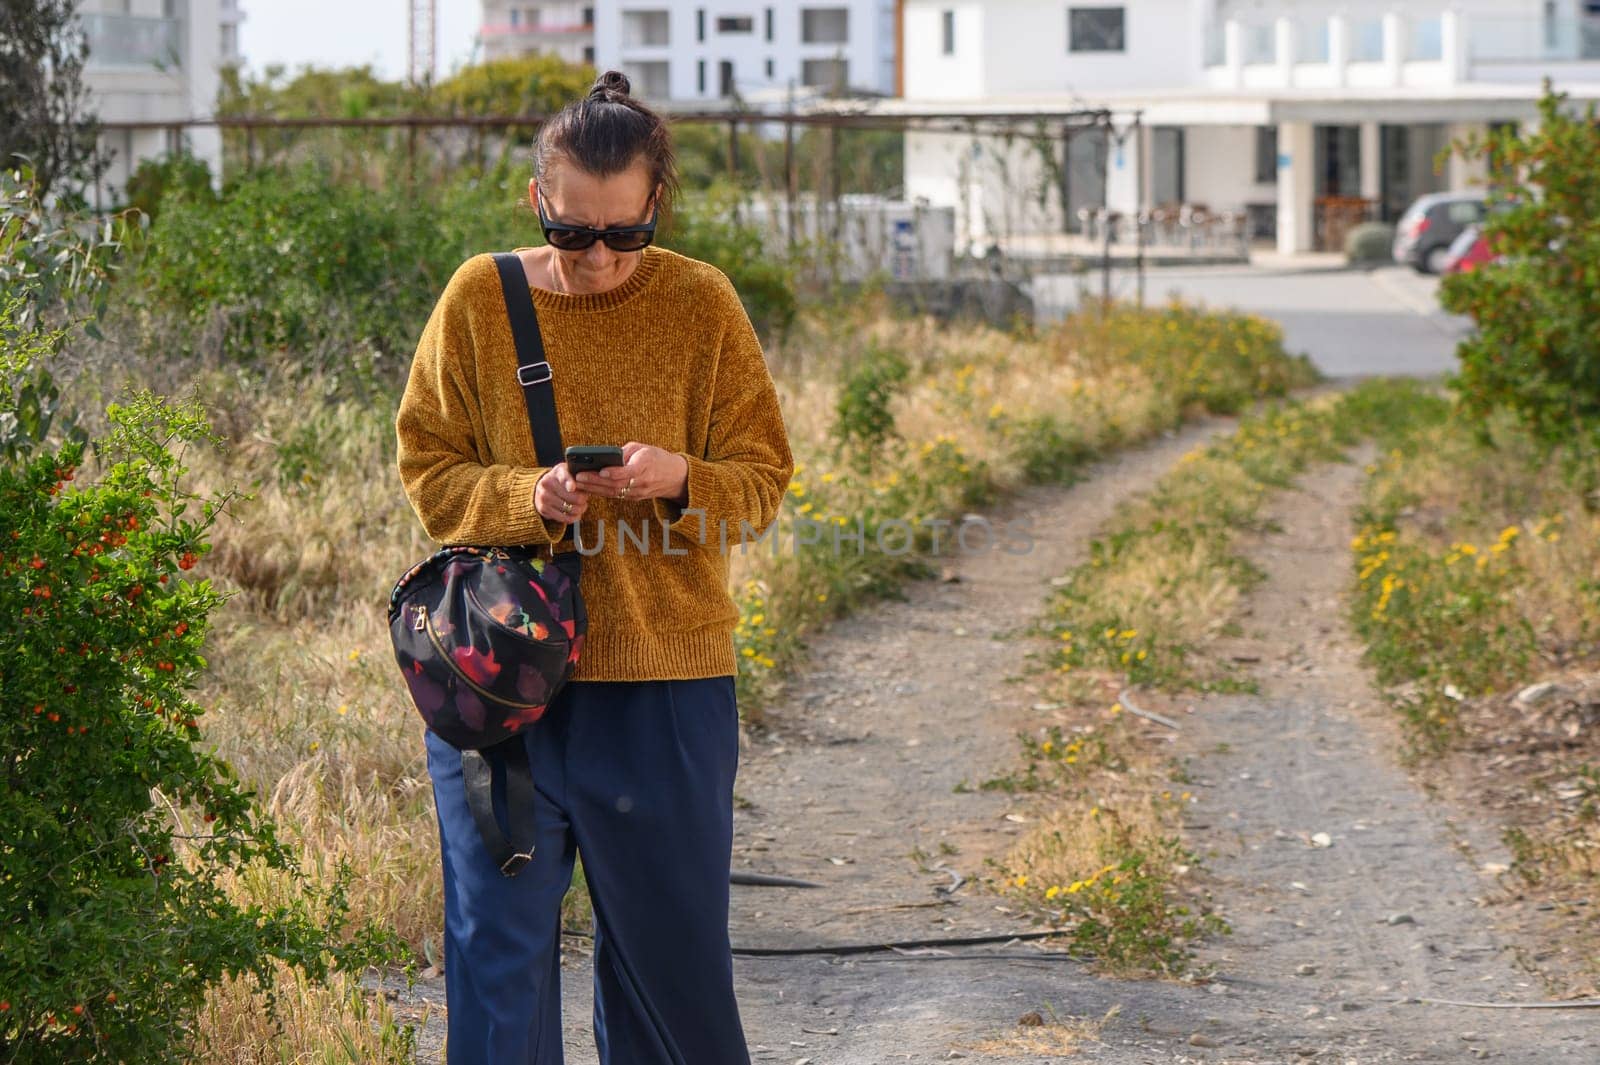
x=634, y=759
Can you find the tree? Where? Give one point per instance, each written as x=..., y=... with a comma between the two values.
x=523, y=85
x=43, y=112
x=1535, y=351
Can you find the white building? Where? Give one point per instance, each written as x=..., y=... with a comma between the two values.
x=1270, y=107
x=685, y=50
x=155, y=61
x=556, y=27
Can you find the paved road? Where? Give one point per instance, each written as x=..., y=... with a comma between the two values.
x=1351, y=323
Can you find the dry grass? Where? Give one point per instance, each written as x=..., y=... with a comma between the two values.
x=1052, y=1038
x=338, y=1023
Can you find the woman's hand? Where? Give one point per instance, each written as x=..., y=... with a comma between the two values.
x=558, y=498
x=647, y=472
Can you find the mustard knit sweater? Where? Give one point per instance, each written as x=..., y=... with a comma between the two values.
x=668, y=358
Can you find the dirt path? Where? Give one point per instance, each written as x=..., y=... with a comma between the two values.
x=861, y=768
x=1328, y=940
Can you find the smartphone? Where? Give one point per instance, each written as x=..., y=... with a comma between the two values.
x=591, y=457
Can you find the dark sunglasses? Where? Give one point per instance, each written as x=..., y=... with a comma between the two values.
x=576, y=238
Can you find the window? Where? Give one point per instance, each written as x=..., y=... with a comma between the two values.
x=700, y=77
x=533, y=16
x=825, y=25
x=588, y=54
x=644, y=29
x=825, y=73
x=1266, y=153
x=767, y=28
x=700, y=24
x=1366, y=41
x=947, y=43
x=1095, y=29
x=169, y=8
x=588, y=16
x=736, y=24
x=651, y=79
x=1426, y=39
x=516, y=16
x=725, y=78
x=1260, y=43
x=769, y=70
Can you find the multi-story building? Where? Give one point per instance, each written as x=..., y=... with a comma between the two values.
x=1275, y=108
x=688, y=50
x=558, y=27
x=154, y=61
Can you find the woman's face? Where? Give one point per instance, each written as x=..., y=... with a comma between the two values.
x=578, y=198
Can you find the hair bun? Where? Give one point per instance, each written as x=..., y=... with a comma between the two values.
x=612, y=83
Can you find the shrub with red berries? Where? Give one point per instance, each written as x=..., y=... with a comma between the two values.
x=118, y=828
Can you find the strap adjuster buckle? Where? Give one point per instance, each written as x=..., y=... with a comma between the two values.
x=534, y=373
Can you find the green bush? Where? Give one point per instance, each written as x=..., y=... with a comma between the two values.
x=1536, y=351
x=863, y=421
x=182, y=175
x=291, y=260
x=338, y=276
x=119, y=832
x=703, y=229
x=1369, y=243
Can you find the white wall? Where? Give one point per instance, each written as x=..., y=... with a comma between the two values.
x=1220, y=167
x=1026, y=48
x=995, y=188
x=929, y=73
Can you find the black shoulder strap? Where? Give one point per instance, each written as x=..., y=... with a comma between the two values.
x=533, y=372
x=503, y=768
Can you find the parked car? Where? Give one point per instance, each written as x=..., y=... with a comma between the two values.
x=1423, y=236
x=1469, y=251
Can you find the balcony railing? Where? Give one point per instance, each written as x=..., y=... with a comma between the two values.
x=1514, y=40
x=134, y=41
x=1395, y=48
x=533, y=29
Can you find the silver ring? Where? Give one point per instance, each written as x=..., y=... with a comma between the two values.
x=566, y=506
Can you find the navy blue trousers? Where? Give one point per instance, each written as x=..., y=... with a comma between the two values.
x=637, y=777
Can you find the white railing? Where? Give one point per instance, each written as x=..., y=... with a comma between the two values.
x=1392, y=49
x=134, y=41
x=1513, y=40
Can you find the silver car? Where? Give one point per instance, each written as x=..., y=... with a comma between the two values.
x=1423, y=236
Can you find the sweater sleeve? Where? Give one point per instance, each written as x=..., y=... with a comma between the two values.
x=747, y=464
x=438, y=429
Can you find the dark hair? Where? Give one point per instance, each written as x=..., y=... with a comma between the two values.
x=605, y=133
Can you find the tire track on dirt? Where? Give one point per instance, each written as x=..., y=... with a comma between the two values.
x=1346, y=892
